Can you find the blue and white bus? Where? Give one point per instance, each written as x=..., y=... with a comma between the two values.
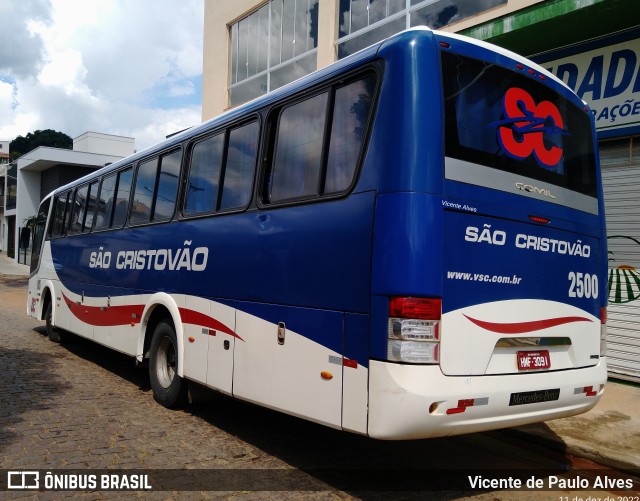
x=408, y=243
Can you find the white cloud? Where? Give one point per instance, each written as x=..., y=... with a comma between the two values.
x=114, y=66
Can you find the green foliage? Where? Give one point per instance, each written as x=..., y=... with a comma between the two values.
x=21, y=145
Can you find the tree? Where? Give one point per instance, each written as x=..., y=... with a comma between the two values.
x=21, y=145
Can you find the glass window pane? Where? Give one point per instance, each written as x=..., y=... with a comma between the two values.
x=143, y=194
x=444, y=12
x=262, y=38
x=241, y=160
x=253, y=44
x=312, y=34
x=234, y=54
x=396, y=6
x=78, y=212
x=303, y=25
x=359, y=15
x=105, y=202
x=91, y=207
x=276, y=31
x=204, y=176
x=288, y=30
x=243, y=49
x=299, y=144
x=58, y=228
x=377, y=10
x=351, y=113
x=165, y=200
x=294, y=70
x=248, y=90
x=370, y=37
x=344, y=18
x=125, y=179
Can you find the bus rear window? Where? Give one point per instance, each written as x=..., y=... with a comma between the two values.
x=506, y=120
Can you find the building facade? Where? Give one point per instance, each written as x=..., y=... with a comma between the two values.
x=44, y=169
x=4, y=164
x=255, y=46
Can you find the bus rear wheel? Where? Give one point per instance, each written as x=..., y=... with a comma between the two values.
x=169, y=389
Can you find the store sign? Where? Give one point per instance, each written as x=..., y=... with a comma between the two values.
x=608, y=78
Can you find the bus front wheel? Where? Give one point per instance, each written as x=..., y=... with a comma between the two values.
x=169, y=389
x=55, y=335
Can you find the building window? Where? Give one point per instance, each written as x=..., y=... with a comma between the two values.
x=271, y=47
x=365, y=22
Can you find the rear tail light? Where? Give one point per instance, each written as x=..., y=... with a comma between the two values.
x=603, y=332
x=414, y=330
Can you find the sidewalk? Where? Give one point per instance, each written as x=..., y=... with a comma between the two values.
x=608, y=435
x=10, y=266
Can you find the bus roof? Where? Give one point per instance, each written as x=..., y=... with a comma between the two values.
x=360, y=58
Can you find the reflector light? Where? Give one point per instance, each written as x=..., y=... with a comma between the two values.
x=539, y=219
x=414, y=307
x=531, y=72
x=520, y=66
x=587, y=391
x=445, y=45
x=468, y=402
x=542, y=77
x=603, y=315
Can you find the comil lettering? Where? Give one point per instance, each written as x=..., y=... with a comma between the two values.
x=182, y=259
x=534, y=189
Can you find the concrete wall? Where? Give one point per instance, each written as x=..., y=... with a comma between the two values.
x=104, y=144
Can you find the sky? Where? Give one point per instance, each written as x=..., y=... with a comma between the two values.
x=124, y=67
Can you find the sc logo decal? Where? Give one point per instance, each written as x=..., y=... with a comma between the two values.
x=522, y=132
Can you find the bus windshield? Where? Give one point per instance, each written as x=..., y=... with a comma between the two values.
x=507, y=120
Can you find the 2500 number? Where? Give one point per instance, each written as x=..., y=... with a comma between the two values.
x=583, y=285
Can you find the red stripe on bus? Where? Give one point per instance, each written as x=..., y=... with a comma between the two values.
x=103, y=316
x=112, y=316
x=197, y=318
x=522, y=327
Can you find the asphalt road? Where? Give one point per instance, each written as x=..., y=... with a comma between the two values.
x=82, y=409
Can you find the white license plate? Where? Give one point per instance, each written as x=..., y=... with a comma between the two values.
x=533, y=360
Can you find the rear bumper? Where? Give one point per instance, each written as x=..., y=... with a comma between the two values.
x=410, y=402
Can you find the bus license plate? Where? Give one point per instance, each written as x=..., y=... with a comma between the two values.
x=533, y=360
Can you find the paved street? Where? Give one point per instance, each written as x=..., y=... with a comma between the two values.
x=82, y=407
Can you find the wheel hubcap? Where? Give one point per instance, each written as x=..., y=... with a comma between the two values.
x=166, y=362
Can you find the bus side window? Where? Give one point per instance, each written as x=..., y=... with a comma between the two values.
x=316, y=151
x=238, y=172
x=298, y=153
x=60, y=209
x=204, y=176
x=165, y=197
x=351, y=112
x=79, y=210
x=156, y=188
x=121, y=203
x=90, y=208
x=143, y=193
x=104, y=202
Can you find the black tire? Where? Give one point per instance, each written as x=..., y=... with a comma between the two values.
x=169, y=389
x=55, y=334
